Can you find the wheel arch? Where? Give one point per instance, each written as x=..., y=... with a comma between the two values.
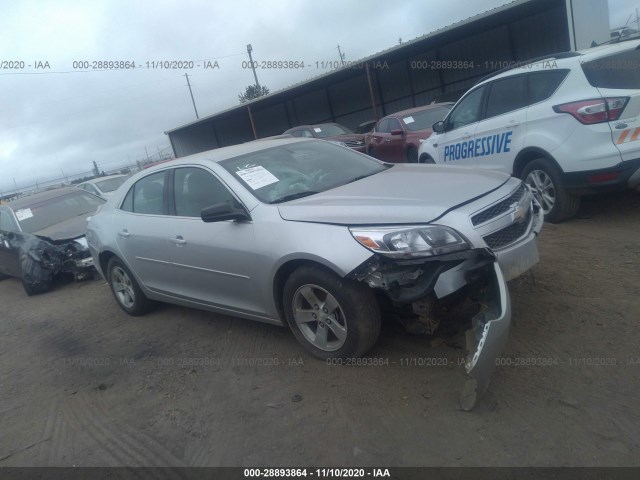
x=284, y=271
x=527, y=155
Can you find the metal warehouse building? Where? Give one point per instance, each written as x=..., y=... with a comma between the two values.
x=407, y=75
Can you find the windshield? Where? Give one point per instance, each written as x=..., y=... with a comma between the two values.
x=42, y=215
x=330, y=130
x=295, y=170
x=424, y=119
x=110, y=184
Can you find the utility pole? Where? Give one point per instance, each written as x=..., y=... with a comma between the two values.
x=342, y=56
x=145, y=151
x=190, y=92
x=253, y=67
x=65, y=177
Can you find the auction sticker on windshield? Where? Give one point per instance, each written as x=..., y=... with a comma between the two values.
x=23, y=214
x=408, y=120
x=257, y=177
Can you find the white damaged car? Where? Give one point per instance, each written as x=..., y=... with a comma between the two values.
x=322, y=239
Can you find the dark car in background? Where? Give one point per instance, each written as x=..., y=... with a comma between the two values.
x=366, y=127
x=43, y=236
x=333, y=132
x=396, y=137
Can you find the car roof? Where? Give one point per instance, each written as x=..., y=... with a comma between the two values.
x=562, y=59
x=106, y=177
x=225, y=153
x=409, y=111
x=28, y=200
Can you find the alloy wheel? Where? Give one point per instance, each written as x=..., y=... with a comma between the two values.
x=319, y=317
x=122, y=287
x=543, y=189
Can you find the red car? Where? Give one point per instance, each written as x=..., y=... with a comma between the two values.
x=396, y=138
x=334, y=132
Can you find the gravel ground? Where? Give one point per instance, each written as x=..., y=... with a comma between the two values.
x=83, y=384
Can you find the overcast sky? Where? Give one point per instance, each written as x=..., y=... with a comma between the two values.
x=61, y=119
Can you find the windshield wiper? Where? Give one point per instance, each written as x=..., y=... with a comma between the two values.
x=293, y=196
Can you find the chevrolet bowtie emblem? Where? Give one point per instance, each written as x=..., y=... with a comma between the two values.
x=520, y=213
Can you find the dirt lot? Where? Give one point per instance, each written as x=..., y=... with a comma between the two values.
x=81, y=383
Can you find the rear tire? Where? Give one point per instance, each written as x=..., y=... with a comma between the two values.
x=126, y=290
x=330, y=316
x=544, y=179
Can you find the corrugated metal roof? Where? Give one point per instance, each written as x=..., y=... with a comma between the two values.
x=372, y=57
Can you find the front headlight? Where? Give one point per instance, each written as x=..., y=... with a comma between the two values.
x=410, y=241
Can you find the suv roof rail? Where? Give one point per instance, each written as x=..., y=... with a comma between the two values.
x=517, y=64
x=621, y=38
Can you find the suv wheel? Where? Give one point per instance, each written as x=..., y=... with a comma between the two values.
x=330, y=316
x=424, y=158
x=126, y=290
x=544, y=179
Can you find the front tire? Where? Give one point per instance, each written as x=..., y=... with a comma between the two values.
x=544, y=179
x=330, y=316
x=412, y=155
x=35, y=279
x=126, y=290
x=424, y=158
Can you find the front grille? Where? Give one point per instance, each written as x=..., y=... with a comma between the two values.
x=510, y=234
x=354, y=143
x=499, y=208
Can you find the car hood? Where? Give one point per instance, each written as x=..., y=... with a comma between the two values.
x=345, y=137
x=69, y=229
x=401, y=194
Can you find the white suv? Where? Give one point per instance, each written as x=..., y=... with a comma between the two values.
x=568, y=124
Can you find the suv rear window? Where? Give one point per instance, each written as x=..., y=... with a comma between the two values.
x=621, y=71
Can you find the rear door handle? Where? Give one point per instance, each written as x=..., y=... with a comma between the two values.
x=124, y=233
x=513, y=124
x=178, y=240
x=465, y=135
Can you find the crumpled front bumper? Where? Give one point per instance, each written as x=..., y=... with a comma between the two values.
x=487, y=338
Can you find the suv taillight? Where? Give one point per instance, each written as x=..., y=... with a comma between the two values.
x=598, y=110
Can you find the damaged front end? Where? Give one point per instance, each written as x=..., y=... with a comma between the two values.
x=421, y=293
x=41, y=260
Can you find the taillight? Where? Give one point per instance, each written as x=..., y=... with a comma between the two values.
x=597, y=110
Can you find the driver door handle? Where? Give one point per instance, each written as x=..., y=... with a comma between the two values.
x=124, y=233
x=178, y=240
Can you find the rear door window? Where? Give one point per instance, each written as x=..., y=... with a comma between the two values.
x=147, y=196
x=619, y=71
x=507, y=95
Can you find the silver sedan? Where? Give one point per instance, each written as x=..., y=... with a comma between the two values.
x=312, y=235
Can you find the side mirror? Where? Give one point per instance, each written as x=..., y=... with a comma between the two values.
x=438, y=127
x=397, y=131
x=223, y=211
